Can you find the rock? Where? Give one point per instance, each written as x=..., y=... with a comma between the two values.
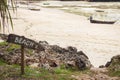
x=57, y=49
x=43, y=42
x=72, y=49
x=101, y=66
x=3, y=36
x=1, y=54
x=34, y=65
x=98, y=70
x=115, y=60
x=52, y=56
x=82, y=62
x=113, y=66
x=81, y=53
x=46, y=66
x=70, y=64
x=53, y=64
x=107, y=64
x=31, y=60
x=101, y=77
x=11, y=53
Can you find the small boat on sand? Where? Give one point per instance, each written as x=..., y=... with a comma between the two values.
x=100, y=21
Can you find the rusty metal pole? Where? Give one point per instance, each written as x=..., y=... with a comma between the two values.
x=22, y=60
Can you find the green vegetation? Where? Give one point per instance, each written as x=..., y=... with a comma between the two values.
x=12, y=47
x=13, y=72
x=61, y=71
x=2, y=62
x=114, y=69
x=114, y=73
x=114, y=66
x=9, y=47
x=3, y=43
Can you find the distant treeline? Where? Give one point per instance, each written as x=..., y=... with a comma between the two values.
x=93, y=0
x=76, y=0
x=102, y=0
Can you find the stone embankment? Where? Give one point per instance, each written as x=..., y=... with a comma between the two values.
x=52, y=56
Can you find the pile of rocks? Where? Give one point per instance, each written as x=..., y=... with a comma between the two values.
x=114, y=64
x=52, y=56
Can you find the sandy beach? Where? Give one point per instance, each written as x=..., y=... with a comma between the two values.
x=99, y=42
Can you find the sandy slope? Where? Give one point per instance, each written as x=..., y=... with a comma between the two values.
x=99, y=41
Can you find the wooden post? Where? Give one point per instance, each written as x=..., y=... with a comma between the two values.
x=22, y=60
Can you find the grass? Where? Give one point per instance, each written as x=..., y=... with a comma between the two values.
x=2, y=62
x=114, y=69
x=61, y=71
x=13, y=72
x=114, y=73
x=9, y=47
x=3, y=43
x=12, y=47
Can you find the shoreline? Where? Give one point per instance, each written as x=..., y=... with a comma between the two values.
x=99, y=42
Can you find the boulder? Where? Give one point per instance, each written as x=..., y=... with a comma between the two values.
x=115, y=60
x=34, y=65
x=57, y=49
x=81, y=53
x=52, y=56
x=113, y=66
x=1, y=54
x=72, y=49
x=82, y=62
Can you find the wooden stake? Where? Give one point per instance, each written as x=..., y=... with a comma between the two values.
x=22, y=60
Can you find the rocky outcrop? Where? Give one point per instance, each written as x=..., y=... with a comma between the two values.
x=52, y=56
x=115, y=62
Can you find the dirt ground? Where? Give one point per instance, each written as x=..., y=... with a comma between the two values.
x=98, y=41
